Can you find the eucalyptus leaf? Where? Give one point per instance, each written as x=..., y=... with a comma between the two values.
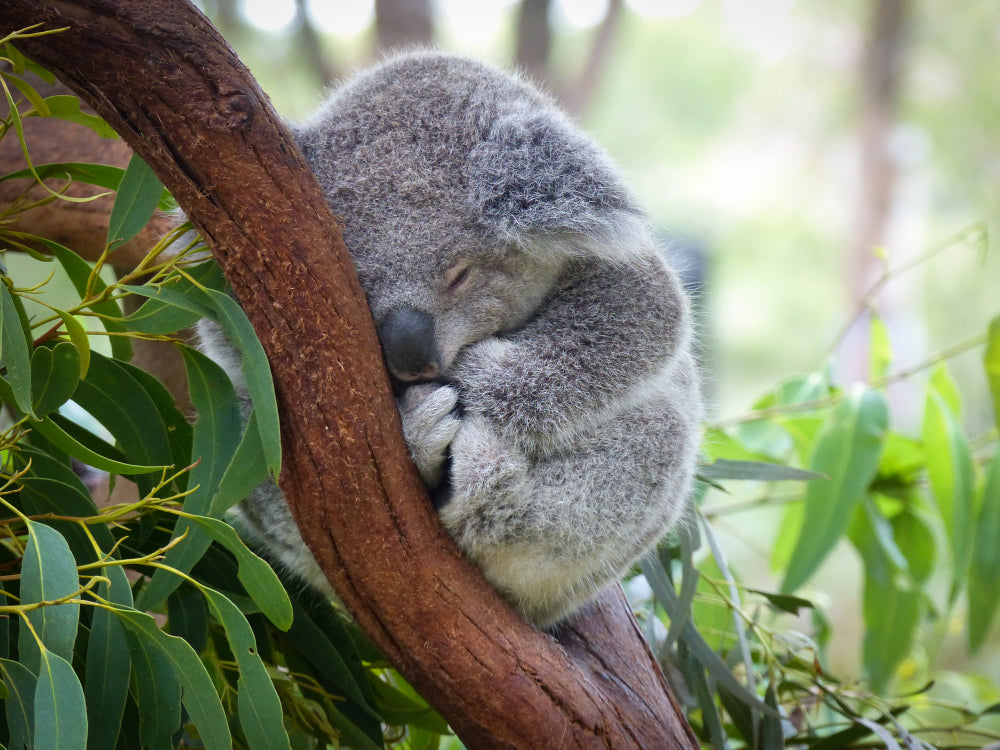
x=157, y=693
x=257, y=577
x=48, y=573
x=215, y=440
x=952, y=478
x=67, y=107
x=19, y=705
x=60, y=708
x=259, y=708
x=108, y=664
x=138, y=193
x=848, y=451
x=58, y=432
x=81, y=275
x=55, y=373
x=199, y=695
x=991, y=363
x=15, y=355
x=879, y=348
x=757, y=471
x=984, y=572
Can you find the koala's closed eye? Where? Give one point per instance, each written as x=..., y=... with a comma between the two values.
x=458, y=276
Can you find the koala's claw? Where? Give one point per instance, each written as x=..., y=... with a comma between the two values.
x=429, y=426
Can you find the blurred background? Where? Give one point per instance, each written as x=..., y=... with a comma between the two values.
x=809, y=164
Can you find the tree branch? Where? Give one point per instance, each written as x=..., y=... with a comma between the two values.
x=168, y=83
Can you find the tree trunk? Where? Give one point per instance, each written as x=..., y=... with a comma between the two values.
x=162, y=76
x=403, y=23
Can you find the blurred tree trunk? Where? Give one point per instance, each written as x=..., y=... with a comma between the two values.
x=881, y=72
x=581, y=93
x=312, y=47
x=534, y=38
x=170, y=85
x=403, y=23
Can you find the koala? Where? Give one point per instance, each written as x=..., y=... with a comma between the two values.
x=539, y=343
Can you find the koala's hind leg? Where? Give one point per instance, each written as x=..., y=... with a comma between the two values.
x=550, y=531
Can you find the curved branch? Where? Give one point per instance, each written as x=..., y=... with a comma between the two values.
x=168, y=83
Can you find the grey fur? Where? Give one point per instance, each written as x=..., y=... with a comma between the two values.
x=493, y=236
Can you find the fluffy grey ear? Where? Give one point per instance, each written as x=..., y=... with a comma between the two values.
x=537, y=181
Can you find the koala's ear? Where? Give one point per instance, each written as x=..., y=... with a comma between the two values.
x=536, y=180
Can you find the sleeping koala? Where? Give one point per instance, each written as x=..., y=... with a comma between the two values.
x=539, y=342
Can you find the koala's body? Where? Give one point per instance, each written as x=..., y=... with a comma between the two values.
x=539, y=340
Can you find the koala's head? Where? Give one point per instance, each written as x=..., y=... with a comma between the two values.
x=463, y=194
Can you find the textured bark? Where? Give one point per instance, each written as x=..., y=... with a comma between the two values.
x=164, y=78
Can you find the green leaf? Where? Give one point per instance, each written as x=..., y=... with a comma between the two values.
x=240, y=477
x=138, y=194
x=984, y=573
x=100, y=175
x=178, y=427
x=15, y=357
x=879, y=348
x=757, y=471
x=20, y=703
x=169, y=308
x=991, y=363
x=784, y=602
x=916, y=541
x=66, y=107
x=256, y=373
x=120, y=403
x=187, y=616
x=199, y=696
x=55, y=373
x=157, y=693
x=890, y=606
x=78, y=335
x=257, y=700
x=108, y=664
x=54, y=429
x=80, y=274
x=257, y=577
x=944, y=383
x=848, y=452
x=48, y=573
x=771, y=736
x=952, y=479
x=324, y=652
x=215, y=440
x=60, y=709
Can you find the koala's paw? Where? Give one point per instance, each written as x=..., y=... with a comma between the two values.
x=488, y=478
x=429, y=426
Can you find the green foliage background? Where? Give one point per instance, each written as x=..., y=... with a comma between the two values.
x=151, y=623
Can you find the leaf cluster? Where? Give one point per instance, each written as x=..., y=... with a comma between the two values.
x=922, y=514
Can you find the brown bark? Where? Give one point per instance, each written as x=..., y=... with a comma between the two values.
x=164, y=78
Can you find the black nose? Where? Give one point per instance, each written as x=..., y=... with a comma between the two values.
x=407, y=337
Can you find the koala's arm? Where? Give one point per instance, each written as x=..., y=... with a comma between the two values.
x=549, y=531
x=606, y=330
x=575, y=447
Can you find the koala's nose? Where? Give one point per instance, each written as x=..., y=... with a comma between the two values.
x=407, y=337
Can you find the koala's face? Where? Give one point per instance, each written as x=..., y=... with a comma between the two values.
x=433, y=293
